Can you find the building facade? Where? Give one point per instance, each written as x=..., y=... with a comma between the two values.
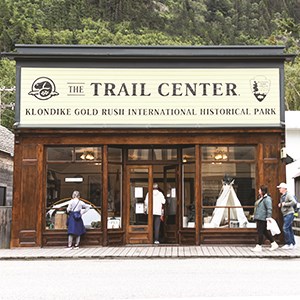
x=111, y=121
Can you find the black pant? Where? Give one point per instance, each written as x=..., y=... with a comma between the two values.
x=262, y=231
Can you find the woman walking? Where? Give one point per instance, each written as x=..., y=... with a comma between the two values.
x=263, y=210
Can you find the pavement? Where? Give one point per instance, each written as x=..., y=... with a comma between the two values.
x=147, y=251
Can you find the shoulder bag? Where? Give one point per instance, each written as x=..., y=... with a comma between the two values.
x=76, y=214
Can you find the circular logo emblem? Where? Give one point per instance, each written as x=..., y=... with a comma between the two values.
x=43, y=88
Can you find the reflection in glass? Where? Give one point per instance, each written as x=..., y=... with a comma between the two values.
x=188, y=202
x=114, y=155
x=188, y=155
x=164, y=154
x=152, y=154
x=171, y=196
x=231, y=153
x=139, y=154
x=60, y=153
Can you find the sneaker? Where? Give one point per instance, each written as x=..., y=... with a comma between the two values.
x=258, y=248
x=285, y=247
x=69, y=248
x=156, y=242
x=291, y=247
x=274, y=246
x=76, y=247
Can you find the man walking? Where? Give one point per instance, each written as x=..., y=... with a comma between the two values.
x=286, y=204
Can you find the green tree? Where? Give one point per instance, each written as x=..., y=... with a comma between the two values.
x=7, y=82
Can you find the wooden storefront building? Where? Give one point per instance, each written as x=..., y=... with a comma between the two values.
x=111, y=121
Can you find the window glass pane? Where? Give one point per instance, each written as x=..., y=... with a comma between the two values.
x=237, y=179
x=88, y=153
x=60, y=154
x=188, y=154
x=139, y=154
x=218, y=218
x=215, y=154
x=62, y=180
x=224, y=153
x=188, y=195
x=165, y=154
x=114, y=154
x=171, y=196
x=114, y=196
x=241, y=153
x=138, y=192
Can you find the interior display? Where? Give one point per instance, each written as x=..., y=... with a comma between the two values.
x=228, y=209
x=56, y=216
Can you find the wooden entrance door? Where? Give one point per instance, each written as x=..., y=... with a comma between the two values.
x=171, y=191
x=139, y=224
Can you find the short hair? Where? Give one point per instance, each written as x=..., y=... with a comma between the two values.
x=264, y=189
x=76, y=194
x=155, y=185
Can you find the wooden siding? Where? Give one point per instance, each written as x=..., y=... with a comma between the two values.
x=5, y=226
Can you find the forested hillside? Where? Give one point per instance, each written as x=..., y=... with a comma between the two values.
x=145, y=22
x=151, y=22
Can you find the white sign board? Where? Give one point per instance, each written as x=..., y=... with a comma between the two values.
x=74, y=97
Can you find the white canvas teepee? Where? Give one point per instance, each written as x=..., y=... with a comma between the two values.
x=228, y=197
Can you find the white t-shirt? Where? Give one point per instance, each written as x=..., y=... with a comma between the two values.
x=158, y=201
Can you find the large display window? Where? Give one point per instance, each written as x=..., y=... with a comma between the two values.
x=228, y=186
x=69, y=169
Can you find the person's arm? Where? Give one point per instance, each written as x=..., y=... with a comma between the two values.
x=85, y=207
x=163, y=199
x=268, y=202
x=289, y=200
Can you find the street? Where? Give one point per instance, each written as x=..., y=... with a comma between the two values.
x=233, y=278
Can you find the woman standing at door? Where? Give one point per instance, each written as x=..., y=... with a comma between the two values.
x=158, y=200
x=76, y=209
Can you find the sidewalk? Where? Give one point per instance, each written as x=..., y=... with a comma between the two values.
x=146, y=251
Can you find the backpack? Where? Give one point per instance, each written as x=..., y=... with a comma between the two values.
x=296, y=207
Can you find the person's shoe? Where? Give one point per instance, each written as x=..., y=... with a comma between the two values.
x=274, y=246
x=258, y=248
x=156, y=242
x=69, y=248
x=291, y=247
x=76, y=247
x=285, y=247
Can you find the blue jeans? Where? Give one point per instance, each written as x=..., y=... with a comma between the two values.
x=156, y=223
x=287, y=229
